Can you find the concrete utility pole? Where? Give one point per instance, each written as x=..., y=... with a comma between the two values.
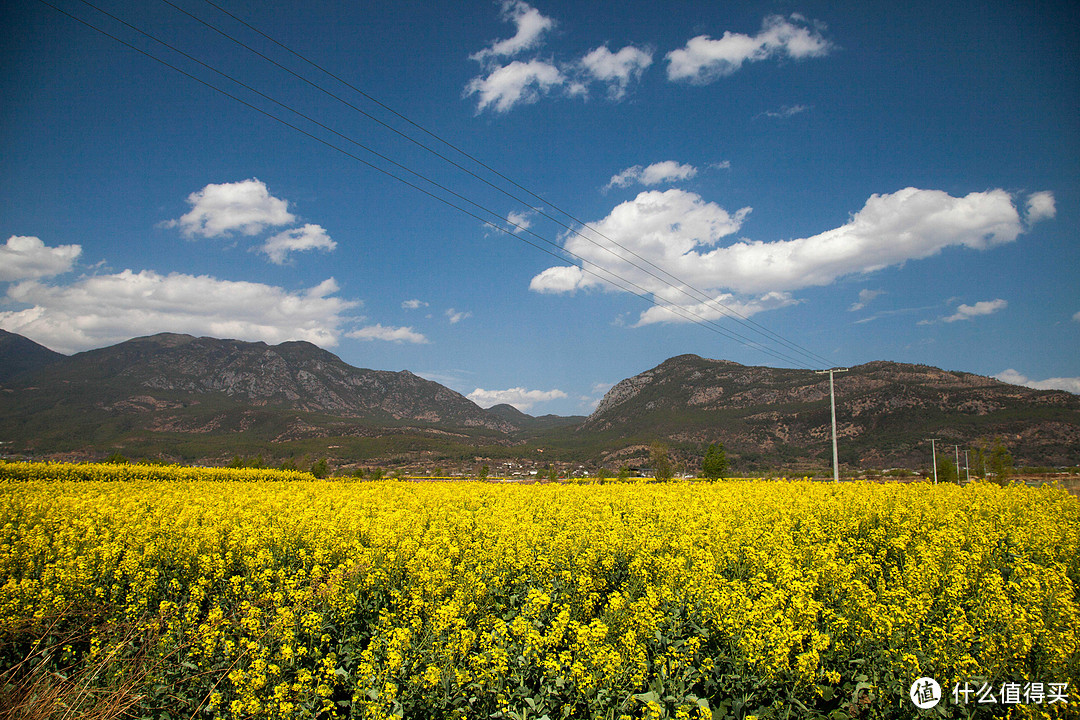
x=832, y=404
x=967, y=467
x=957, y=448
x=933, y=454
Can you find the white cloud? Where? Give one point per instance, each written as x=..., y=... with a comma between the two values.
x=455, y=317
x=519, y=397
x=1076, y=317
x=413, y=304
x=1040, y=206
x=659, y=226
x=388, y=334
x=785, y=111
x=680, y=232
x=105, y=309
x=559, y=279
x=865, y=298
x=898, y=311
x=704, y=59
x=519, y=82
x=983, y=307
x=725, y=305
x=519, y=221
x=503, y=85
x=617, y=70
x=308, y=237
x=660, y=172
x=219, y=210
x=25, y=257
x=531, y=25
x=1060, y=383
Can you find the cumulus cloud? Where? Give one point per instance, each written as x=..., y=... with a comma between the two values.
x=246, y=207
x=1069, y=384
x=413, y=304
x=519, y=82
x=1040, y=206
x=25, y=257
x=530, y=24
x=503, y=85
x=559, y=279
x=106, y=309
x=616, y=70
x=519, y=397
x=455, y=316
x=680, y=232
x=983, y=307
x=705, y=59
x=865, y=298
x=659, y=226
x=389, y=334
x=660, y=172
x=308, y=237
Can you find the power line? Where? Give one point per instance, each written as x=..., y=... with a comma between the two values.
x=586, y=265
x=680, y=284
x=644, y=294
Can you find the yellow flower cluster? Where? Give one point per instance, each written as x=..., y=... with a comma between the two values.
x=315, y=598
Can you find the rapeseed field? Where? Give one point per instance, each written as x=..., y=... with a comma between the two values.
x=258, y=594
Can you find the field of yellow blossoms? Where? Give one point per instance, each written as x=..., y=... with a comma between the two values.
x=261, y=594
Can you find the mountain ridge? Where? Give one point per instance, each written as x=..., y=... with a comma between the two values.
x=884, y=411
x=169, y=383
x=20, y=354
x=178, y=395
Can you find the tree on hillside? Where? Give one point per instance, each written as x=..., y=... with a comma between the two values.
x=661, y=461
x=714, y=466
x=992, y=460
x=946, y=470
x=1000, y=462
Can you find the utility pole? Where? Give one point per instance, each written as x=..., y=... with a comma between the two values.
x=832, y=404
x=967, y=467
x=957, y=449
x=933, y=454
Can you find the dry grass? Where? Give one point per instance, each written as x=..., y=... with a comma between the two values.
x=108, y=687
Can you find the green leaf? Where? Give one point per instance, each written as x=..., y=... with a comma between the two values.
x=651, y=696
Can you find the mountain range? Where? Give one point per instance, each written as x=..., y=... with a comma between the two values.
x=178, y=397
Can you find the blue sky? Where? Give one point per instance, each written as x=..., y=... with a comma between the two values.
x=863, y=181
